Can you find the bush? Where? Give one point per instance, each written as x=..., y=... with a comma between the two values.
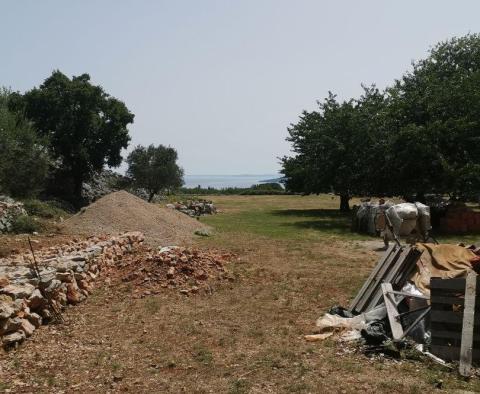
x=25, y=224
x=44, y=209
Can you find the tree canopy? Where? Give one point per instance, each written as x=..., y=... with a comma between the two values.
x=23, y=154
x=154, y=168
x=418, y=136
x=86, y=128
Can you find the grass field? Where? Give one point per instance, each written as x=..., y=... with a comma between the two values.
x=296, y=259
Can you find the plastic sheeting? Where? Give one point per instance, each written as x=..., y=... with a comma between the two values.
x=330, y=322
x=441, y=261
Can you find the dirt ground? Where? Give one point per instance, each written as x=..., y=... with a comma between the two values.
x=296, y=259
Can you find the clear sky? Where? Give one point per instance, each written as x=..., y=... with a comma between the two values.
x=222, y=80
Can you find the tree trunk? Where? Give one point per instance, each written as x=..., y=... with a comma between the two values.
x=77, y=192
x=344, y=205
x=420, y=197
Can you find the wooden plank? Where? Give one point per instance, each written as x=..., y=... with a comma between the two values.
x=406, y=271
x=448, y=300
x=367, y=283
x=466, y=350
x=392, y=312
x=450, y=284
x=377, y=280
x=454, y=335
x=388, y=277
x=374, y=285
x=448, y=317
x=449, y=353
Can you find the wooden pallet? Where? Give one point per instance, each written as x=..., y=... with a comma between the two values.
x=450, y=326
x=394, y=267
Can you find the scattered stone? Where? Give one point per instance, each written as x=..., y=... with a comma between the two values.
x=194, y=208
x=203, y=232
x=27, y=327
x=11, y=339
x=18, y=291
x=4, y=281
x=10, y=325
x=35, y=319
x=6, y=310
x=36, y=300
x=74, y=296
x=171, y=273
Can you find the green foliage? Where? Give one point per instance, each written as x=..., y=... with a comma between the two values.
x=332, y=147
x=44, y=209
x=86, y=128
x=419, y=136
x=154, y=168
x=24, y=224
x=267, y=187
x=438, y=105
x=260, y=189
x=23, y=156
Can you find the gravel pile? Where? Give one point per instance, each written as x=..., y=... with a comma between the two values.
x=121, y=211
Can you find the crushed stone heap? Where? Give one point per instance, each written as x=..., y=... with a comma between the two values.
x=30, y=298
x=121, y=211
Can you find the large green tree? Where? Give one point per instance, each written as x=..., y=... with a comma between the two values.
x=23, y=154
x=421, y=135
x=331, y=147
x=154, y=168
x=434, y=121
x=86, y=128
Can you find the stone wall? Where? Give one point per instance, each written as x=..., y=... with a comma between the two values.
x=66, y=275
x=9, y=210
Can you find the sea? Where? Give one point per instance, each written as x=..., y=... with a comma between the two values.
x=224, y=181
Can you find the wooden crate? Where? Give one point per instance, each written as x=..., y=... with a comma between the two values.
x=446, y=318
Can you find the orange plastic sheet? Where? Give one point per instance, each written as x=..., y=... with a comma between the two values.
x=444, y=261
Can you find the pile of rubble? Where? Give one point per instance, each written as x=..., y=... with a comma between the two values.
x=9, y=211
x=188, y=270
x=33, y=291
x=418, y=297
x=194, y=208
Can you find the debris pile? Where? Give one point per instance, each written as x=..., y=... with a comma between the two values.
x=9, y=211
x=121, y=211
x=420, y=297
x=188, y=270
x=194, y=208
x=33, y=291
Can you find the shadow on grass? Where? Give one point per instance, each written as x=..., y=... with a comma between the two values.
x=326, y=220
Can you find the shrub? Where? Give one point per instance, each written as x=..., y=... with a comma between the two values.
x=25, y=224
x=44, y=209
x=23, y=155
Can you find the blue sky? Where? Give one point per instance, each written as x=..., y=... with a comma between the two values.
x=222, y=80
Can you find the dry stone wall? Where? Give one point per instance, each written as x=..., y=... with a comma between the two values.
x=65, y=276
x=9, y=210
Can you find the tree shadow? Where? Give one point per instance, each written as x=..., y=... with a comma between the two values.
x=327, y=220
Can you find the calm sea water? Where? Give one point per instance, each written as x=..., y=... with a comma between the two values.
x=223, y=181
